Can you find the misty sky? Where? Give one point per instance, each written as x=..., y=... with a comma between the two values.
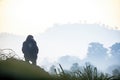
x=35, y=16
x=61, y=28
x=67, y=42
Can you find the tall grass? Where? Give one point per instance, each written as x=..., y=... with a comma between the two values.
x=8, y=53
x=87, y=72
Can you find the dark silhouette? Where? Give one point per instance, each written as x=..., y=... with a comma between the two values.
x=30, y=49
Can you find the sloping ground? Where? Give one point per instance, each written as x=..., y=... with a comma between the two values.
x=20, y=70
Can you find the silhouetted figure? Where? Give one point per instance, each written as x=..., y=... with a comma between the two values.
x=30, y=49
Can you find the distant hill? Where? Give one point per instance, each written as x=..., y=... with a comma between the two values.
x=70, y=42
x=74, y=38
x=61, y=40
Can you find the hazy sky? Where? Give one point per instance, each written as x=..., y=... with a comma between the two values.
x=35, y=16
x=65, y=37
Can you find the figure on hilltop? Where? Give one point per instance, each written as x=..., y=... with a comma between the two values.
x=30, y=49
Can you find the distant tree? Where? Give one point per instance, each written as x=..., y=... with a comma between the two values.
x=75, y=67
x=96, y=50
x=116, y=73
x=96, y=53
x=115, y=49
x=67, y=60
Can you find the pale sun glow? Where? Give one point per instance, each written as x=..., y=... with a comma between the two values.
x=35, y=16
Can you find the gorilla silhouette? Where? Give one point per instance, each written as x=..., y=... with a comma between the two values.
x=30, y=49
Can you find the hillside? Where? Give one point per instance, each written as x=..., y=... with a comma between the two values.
x=20, y=70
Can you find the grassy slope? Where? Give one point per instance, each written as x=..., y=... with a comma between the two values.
x=17, y=69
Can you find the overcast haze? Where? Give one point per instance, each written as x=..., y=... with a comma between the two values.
x=67, y=44
x=63, y=29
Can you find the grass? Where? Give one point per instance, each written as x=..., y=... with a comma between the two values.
x=21, y=70
x=88, y=72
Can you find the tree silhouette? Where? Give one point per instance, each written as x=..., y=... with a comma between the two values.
x=115, y=49
x=97, y=54
x=116, y=73
x=75, y=67
x=96, y=50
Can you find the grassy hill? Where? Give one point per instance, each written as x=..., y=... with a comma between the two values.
x=20, y=70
